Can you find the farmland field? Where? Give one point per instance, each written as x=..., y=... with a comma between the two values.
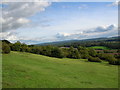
x=26, y=70
x=100, y=47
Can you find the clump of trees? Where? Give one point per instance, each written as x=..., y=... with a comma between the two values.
x=94, y=59
x=57, y=52
x=114, y=61
x=73, y=53
x=43, y=50
x=83, y=51
x=16, y=46
x=110, y=43
x=54, y=51
x=105, y=57
x=5, y=48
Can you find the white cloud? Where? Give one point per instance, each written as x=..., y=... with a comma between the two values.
x=15, y=14
x=100, y=31
x=23, y=20
x=116, y=3
x=12, y=36
x=69, y=36
x=9, y=35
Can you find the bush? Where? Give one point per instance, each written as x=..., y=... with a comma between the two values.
x=65, y=52
x=5, y=48
x=85, y=56
x=92, y=52
x=114, y=61
x=73, y=53
x=106, y=57
x=56, y=52
x=23, y=48
x=110, y=58
x=28, y=49
x=94, y=59
x=16, y=46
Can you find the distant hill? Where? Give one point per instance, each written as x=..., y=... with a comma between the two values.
x=85, y=42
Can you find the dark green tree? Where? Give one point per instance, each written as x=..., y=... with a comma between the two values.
x=92, y=52
x=94, y=59
x=16, y=46
x=73, y=53
x=23, y=47
x=5, y=48
x=57, y=52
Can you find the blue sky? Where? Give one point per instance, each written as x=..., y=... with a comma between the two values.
x=58, y=21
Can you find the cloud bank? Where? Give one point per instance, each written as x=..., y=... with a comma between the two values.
x=100, y=31
x=15, y=14
x=116, y=3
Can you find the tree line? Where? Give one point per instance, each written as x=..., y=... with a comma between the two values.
x=54, y=51
x=109, y=44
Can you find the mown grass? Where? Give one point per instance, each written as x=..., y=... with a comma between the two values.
x=100, y=47
x=25, y=70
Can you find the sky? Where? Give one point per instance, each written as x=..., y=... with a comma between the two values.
x=33, y=22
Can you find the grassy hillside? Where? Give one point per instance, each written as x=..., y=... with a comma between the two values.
x=25, y=70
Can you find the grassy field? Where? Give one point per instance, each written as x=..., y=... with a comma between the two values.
x=100, y=47
x=25, y=70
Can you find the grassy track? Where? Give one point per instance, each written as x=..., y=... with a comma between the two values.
x=25, y=70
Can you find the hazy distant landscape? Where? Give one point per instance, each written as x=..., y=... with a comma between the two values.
x=59, y=44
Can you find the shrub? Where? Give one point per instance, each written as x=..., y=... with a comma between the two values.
x=92, y=52
x=94, y=59
x=73, y=53
x=110, y=58
x=28, y=49
x=5, y=48
x=85, y=56
x=101, y=56
x=56, y=52
x=76, y=54
x=16, y=46
x=106, y=57
x=65, y=52
x=23, y=47
x=114, y=61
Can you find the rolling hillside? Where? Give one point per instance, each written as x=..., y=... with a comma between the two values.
x=111, y=42
x=67, y=42
x=25, y=70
